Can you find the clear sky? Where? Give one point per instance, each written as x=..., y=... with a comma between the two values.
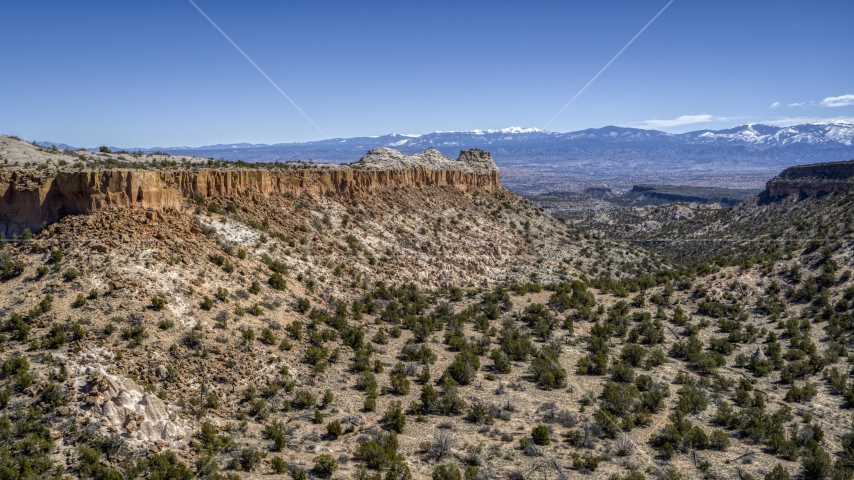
x=156, y=73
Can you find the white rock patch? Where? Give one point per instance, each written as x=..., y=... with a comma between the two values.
x=234, y=232
x=123, y=407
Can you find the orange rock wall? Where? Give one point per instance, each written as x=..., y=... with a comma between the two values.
x=28, y=200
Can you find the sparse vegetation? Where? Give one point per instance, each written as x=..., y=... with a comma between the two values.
x=324, y=334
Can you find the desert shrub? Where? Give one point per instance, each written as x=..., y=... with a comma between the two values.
x=52, y=396
x=585, y=464
x=691, y=399
x=79, y=301
x=719, y=440
x=619, y=398
x=540, y=435
x=801, y=394
x=158, y=303
x=546, y=369
x=464, y=367
x=441, y=445
x=367, y=382
x=500, y=360
x=679, y=435
x=424, y=376
x=279, y=465
x=221, y=294
x=446, y=402
x=134, y=335
x=277, y=432
x=446, y=472
x=10, y=267
x=324, y=465
x=394, y=419
x=634, y=474
x=268, y=337
x=166, y=465
x=633, y=354
x=540, y=320
x=55, y=337
x=277, y=281
x=412, y=352
x=18, y=327
x=624, y=445
x=296, y=472
x=594, y=364
x=249, y=335
x=258, y=408
x=721, y=345
x=480, y=414
x=207, y=303
x=212, y=401
x=294, y=330
x=622, y=372
x=399, y=383
x=303, y=305
x=334, y=429
x=656, y=357
x=192, y=339
x=70, y=274
x=303, y=399
x=816, y=465
x=247, y=459
x=380, y=338
x=316, y=355
x=779, y=472
x=513, y=342
x=56, y=257
x=88, y=465
x=379, y=451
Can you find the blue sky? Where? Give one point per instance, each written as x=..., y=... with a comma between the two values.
x=156, y=73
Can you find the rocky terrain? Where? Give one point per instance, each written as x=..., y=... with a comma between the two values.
x=32, y=197
x=605, y=205
x=406, y=317
x=812, y=180
x=656, y=195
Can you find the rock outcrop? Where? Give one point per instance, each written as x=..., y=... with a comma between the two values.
x=811, y=180
x=29, y=199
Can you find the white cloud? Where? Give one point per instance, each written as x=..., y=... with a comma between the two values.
x=840, y=101
x=682, y=120
x=775, y=105
x=797, y=104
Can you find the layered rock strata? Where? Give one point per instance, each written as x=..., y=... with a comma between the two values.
x=812, y=180
x=30, y=199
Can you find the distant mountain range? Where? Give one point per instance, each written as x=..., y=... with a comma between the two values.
x=753, y=145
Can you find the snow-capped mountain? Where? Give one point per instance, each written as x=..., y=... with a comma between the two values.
x=758, y=134
x=606, y=147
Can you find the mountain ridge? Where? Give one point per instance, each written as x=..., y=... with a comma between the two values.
x=537, y=161
x=841, y=132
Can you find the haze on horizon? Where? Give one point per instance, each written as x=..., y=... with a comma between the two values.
x=158, y=74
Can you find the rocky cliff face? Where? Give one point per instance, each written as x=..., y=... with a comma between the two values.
x=28, y=199
x=812, y=180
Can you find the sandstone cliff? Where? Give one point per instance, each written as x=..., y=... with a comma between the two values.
x=29, y=199
x=812, y=180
